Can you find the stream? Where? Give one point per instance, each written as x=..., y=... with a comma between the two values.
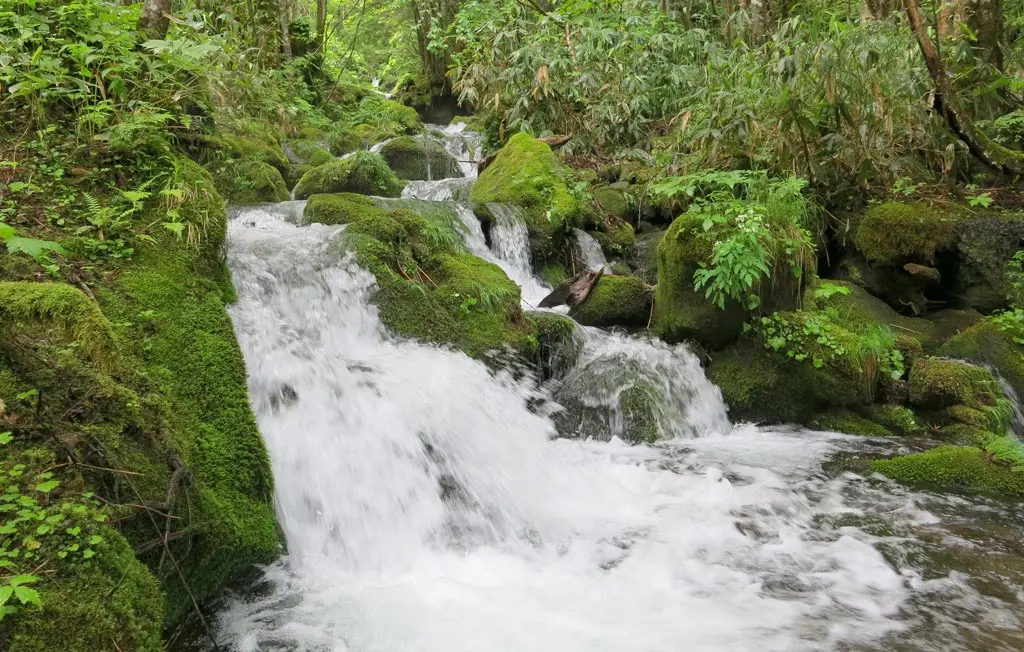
x=428, y=508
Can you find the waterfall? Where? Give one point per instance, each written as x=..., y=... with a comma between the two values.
x=590, y=251
x=428, y=507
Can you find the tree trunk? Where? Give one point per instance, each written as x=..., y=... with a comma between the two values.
x=283, y=20
x=985, y=18
x=435, y=64
x=984, y=148
x=154, y=20
x=321, y=24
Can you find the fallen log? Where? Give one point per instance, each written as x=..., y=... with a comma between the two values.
x=574, y=291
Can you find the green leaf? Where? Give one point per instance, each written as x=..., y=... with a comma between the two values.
x=6, y=232
x=19, y=580
x=48, y=486
x=27, y=595
x=6, y=438
x=32, y=247
x=5, y=593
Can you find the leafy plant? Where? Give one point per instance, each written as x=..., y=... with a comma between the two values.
x=37, y=249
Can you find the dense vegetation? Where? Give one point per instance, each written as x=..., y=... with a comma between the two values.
x=826, y=197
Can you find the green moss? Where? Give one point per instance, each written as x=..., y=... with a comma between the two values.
x=114, y=604
x=617, y=238
x=294, y=173
x=194, y=369
x=248, y=148
x=850, y=423
x=61, y=307
x=339, y=208
x=246, y=181
x=985, y=245
x=341, y=141
x=429, y=289
x=896, y=232
x=610, y=201
x=859, y=310
x=897, y=419
x=616, y=300
x=968, y=416
x=363, y=173
x=553, y=274
x=420, y=159
x=527, y=173
x=986, y=343
x=939, y=384
x=558, y=348
x=681, y=313
x=309, y=152
x=953, y=468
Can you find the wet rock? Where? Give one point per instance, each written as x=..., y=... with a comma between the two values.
x=420, y=158
x=363, y=173
x=616, y=301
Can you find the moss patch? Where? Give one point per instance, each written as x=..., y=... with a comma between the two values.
x=247, y=181
x=363, y=173
x=527, y=173
x=340, y=208
x=266, y=151
x=954, y=468
x=940, y=384
x=897, y=419
x=309, y=152
x=986, y=343
x=616, y=238
x=896, y=232
x=616, y=300
x=610, y=201
x=558, y=348
x=681, y=313
x=848, y=422
x=420, y=159
x=342, y=140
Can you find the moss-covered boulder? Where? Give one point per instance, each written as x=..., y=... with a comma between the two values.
x=145, y=390
x=364, y=173
x=985, y=244
x=420, y=158
x=937, y=384
x=247, y=181
x=896, y=232
x=611, y=201
x=765, y=386
x=610, y=399
x=680, y=312
x=342, y=140
x=428, y=288
x=379, y=119
x=954, y=468
x=308, y=152
x=849, y=422
x=994, y=343
x=558, y=344
x=859, y=310
x=897, y=419
x=616, y=300
x=265, y=150
x=527, y=173
x=616, y=238
x=340, y=208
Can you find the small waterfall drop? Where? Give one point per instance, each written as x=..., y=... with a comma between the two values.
x=590, y=251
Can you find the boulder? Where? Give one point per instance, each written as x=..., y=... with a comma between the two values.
x=340, y=208
x=420, y=158
x=988, y=343
x=616, y=301
x=249, y=181
x=558, y=344
x=307, y=152
x=364, y=173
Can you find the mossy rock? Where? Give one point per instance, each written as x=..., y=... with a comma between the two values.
x=609, y=400
x=364, y=173
x=420, y=159
x=985, y=244
x=765, y=386
x=611, y=201
x=527, y=173
x=308, y=152
x=558, y=344
x=246, y=181
x=848, y=422
x=897, y=419
x=680, y=312
x=988, y=344
x=430, y=289
x=342, y=140
x=616, y=238
x=616, y=300
x=859, y=310
x=340, y=208
x=953, y=468
x=938, y=384
x=553, y=274
x=259, y=150
x=294, y=173
x=146, y=377
x=896, y=232
x=950, y=321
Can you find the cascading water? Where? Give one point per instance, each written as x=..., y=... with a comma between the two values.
x=590, y=251
x=427, y=508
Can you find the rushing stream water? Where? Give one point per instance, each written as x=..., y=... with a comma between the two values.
x=426, y=508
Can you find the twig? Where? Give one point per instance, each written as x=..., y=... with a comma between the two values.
x=650, y=319
x=103, y=468
x=420, y=270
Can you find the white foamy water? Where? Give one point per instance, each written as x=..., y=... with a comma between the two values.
x=590, y=251
x=427, y=507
